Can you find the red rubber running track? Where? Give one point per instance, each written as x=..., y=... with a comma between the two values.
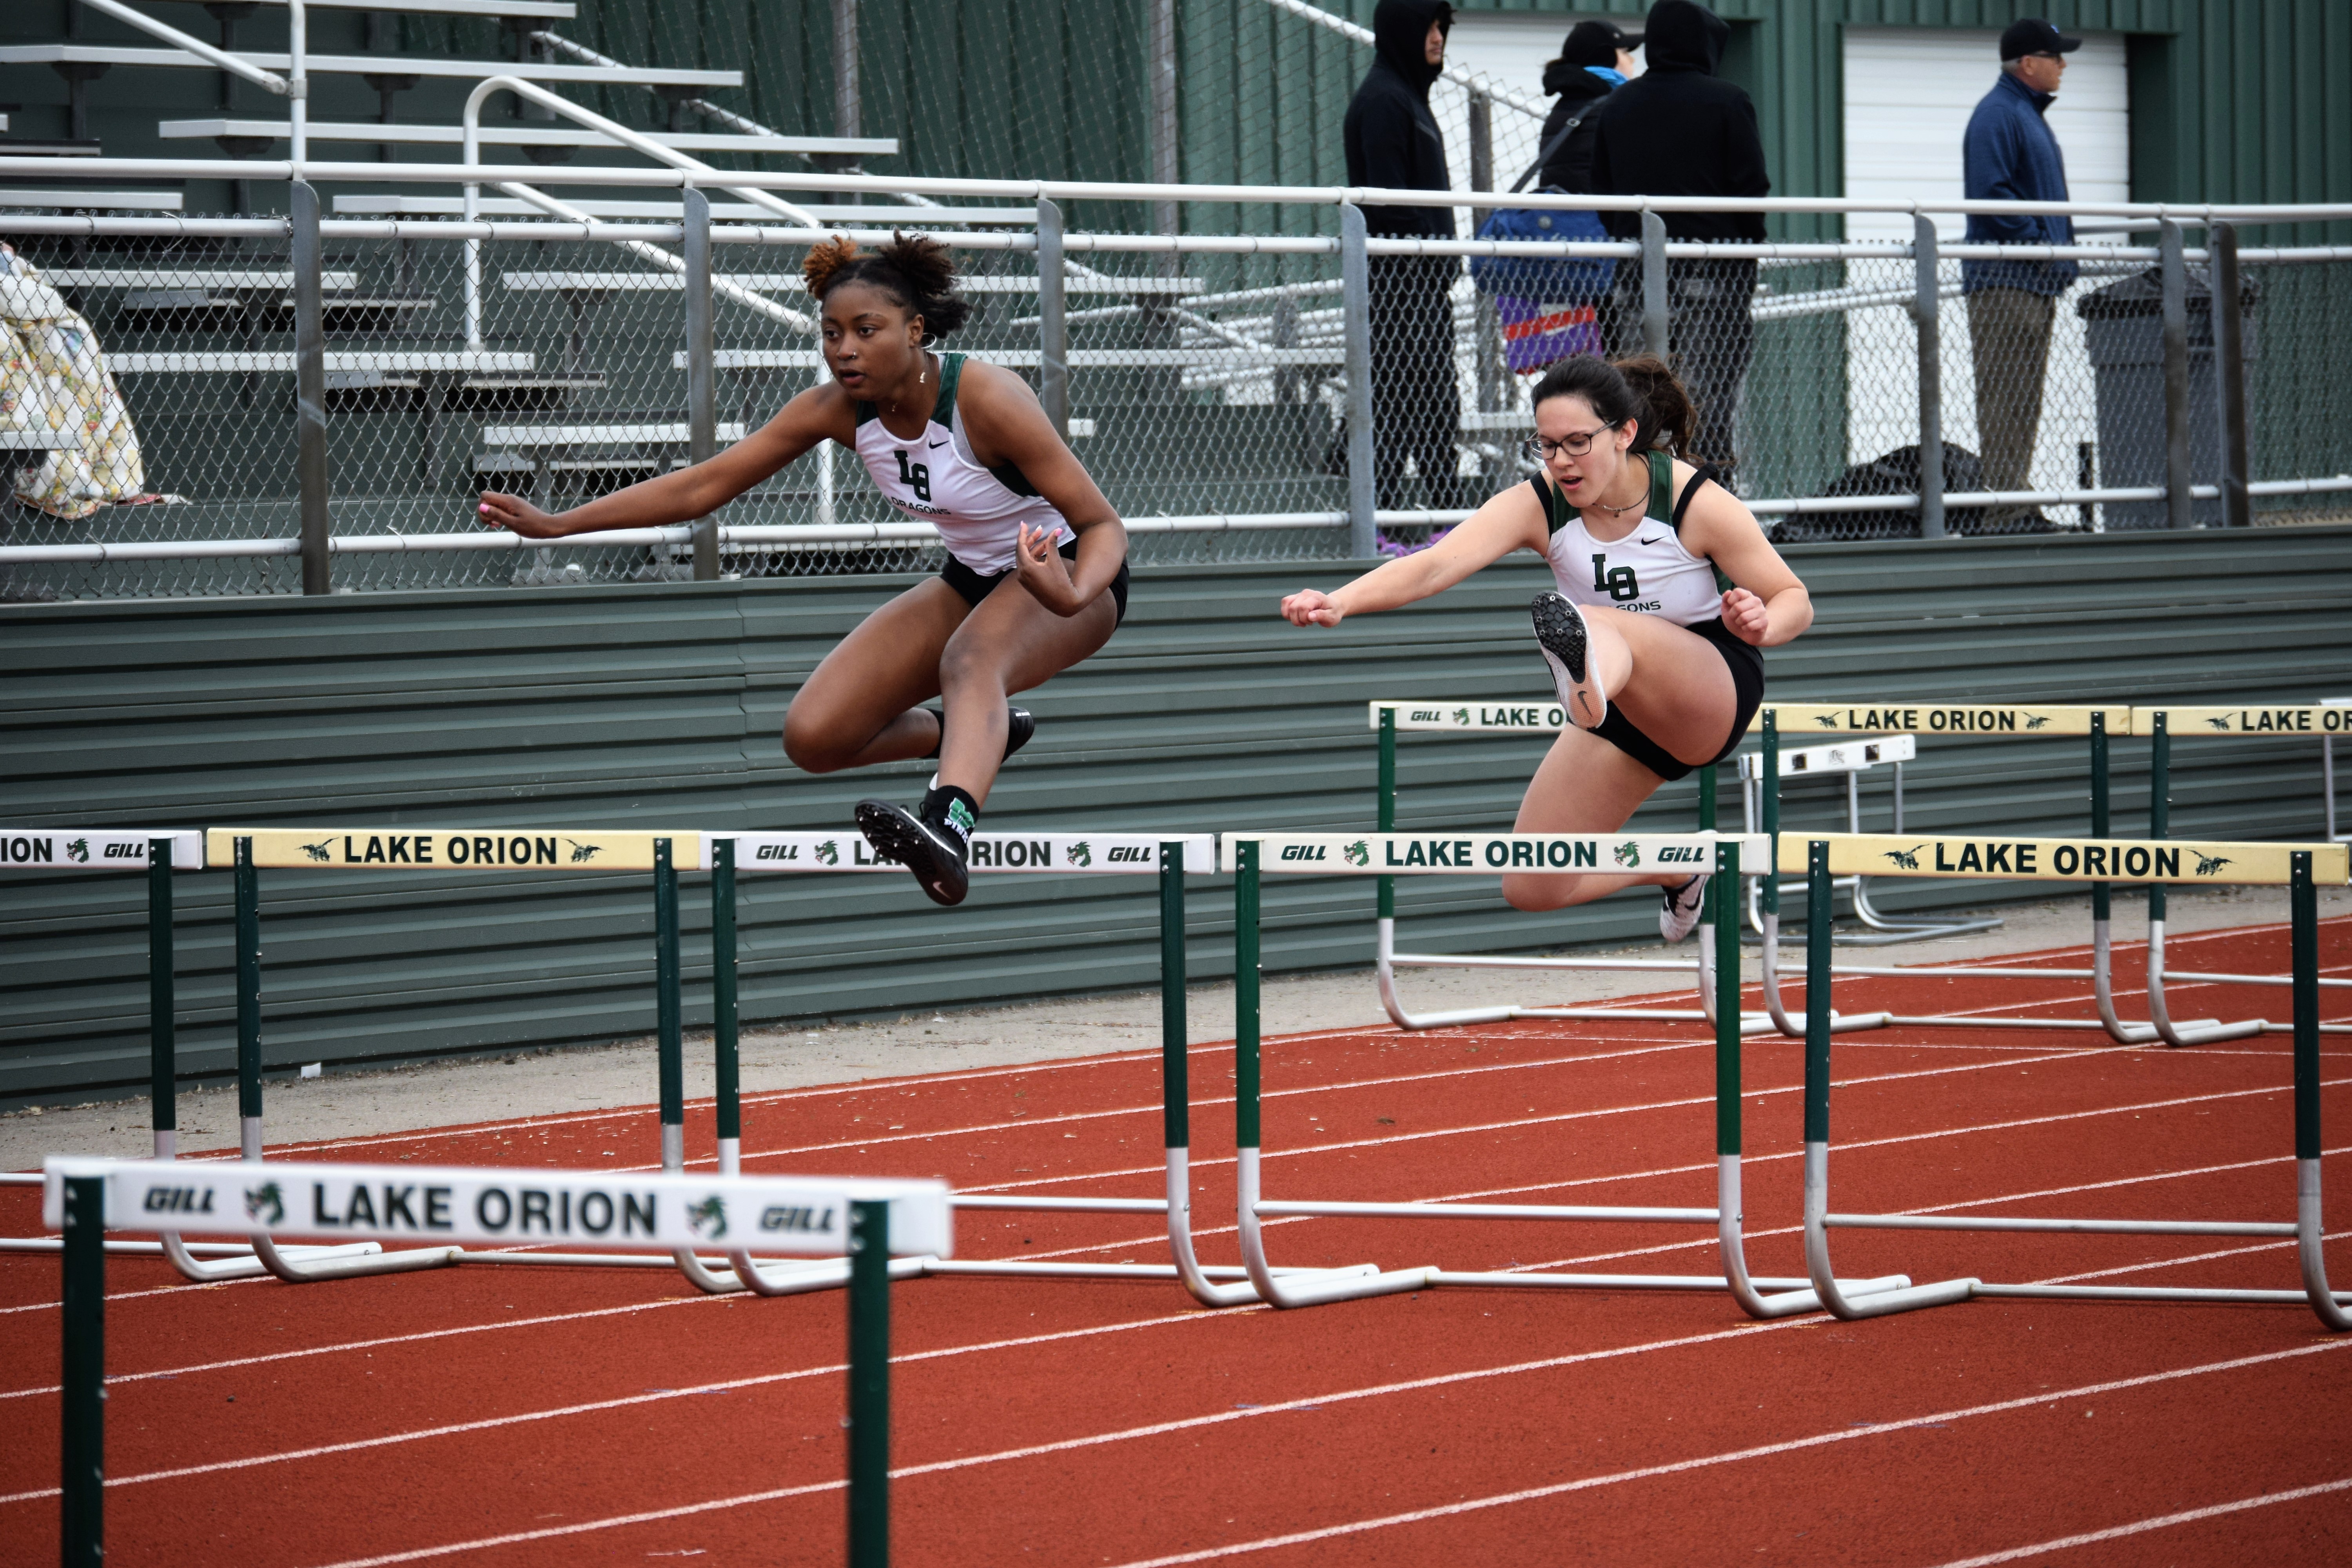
x=513, y=1416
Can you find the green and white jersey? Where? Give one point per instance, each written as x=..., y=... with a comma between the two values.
x=935, y=479
x=1647, y=572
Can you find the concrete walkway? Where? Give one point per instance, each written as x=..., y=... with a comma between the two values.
x=546, y=1083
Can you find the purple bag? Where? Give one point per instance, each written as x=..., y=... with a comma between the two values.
x=1536, y=334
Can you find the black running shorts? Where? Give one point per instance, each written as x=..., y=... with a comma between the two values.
x=1745, y=662
x=977, y=586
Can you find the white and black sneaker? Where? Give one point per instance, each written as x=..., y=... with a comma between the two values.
x=933, y=843
x=1684, y=906
x=1567, y=645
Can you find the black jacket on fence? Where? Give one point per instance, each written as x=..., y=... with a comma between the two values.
x=1391, y=139
x=1678, y=131
x=1571, y=168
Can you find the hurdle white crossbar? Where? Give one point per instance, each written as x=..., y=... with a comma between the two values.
x=1775, y=723
x=2163, y=726
x=1059, y=852
x=1395, y=716
x=1248, y=855
x=2302, y=868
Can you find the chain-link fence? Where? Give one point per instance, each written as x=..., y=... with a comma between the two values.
x=151, y=391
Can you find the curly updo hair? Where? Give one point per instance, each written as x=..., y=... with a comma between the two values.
x=917, y=274
x=1642, y=388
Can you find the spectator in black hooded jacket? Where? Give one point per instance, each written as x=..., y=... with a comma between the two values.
x=1676, y=131
x=1595, y=59
x=1392, y=141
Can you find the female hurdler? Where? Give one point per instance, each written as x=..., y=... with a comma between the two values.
x=1652, y=651
x=1036, y=575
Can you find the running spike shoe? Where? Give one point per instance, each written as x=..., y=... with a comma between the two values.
x=935, y=853
x=1567, y=645
x=1684, y=906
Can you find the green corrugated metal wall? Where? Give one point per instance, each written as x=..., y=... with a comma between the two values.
x=659, y=706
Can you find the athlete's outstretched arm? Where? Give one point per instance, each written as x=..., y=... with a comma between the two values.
x=1506, y=522
x=1006, y=424
x=1769, y=605
x=681, y=496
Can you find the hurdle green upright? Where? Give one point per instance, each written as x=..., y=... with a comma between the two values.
x=869, y=1385
x=1326, y=854
x=163, y=1006
x=2149, y=862
x=83, y=1469
x=1175, y=1087
x=726, y=1068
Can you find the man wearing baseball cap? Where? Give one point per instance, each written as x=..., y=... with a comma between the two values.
x=2009, y=154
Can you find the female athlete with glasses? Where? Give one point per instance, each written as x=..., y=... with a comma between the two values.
x=1036, y=573
x=1652, y=648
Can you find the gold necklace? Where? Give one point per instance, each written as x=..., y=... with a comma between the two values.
x=921, y=376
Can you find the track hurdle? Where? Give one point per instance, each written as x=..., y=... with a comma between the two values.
x=1394, y=717
x=1248, y=855
x=2161, y=725
x=860, y=1221
x=2300, y=867
x=1170, y=858
x=1971, y=720
x=249, y=851
x=158, y=853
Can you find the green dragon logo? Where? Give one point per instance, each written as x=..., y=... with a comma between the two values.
x=1462, y=715
x=1826, y=720
x=2211, y=864
x=324, y=850
x=1908, y=860
x=265, y=1203
x=2036, y=720
x=708, y=1217
x=584, y=852
x=829, y=852
x=1628, y=854
x=1358, y=853
x=2219, y=723
x=79, y=850
x=1080, y=853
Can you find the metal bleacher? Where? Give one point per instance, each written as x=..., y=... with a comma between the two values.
x=195, y=327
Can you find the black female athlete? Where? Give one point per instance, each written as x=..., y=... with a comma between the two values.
x=1036, y=575
x=1655, y=658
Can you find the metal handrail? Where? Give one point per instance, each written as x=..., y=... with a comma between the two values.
x=294, y=86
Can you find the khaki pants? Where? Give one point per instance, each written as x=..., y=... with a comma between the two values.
x=2009, y=337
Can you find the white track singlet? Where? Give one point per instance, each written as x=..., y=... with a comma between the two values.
x=1647, y=572
x=935, y=479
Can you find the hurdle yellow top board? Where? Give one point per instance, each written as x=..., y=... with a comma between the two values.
x=1938, y=718
x=2324, y=719
x=457, y=848
x=2068, y=860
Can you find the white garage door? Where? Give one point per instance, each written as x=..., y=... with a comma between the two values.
x=1908, y=95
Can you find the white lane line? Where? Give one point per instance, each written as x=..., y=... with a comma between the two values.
x=621, y=1402
x=1217, y=1418
x=482, y=1328
x=1684, y=1104
x=2141, y=1527
x=1765, y=1450
x=1222, y=1417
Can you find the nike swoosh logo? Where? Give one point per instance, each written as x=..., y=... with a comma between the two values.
x=1646, y=540
x=937, y=445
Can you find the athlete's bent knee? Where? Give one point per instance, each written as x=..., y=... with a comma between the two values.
x=812, y=750
x=1538, y=894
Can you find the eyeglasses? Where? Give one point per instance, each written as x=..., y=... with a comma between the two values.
x=1575, y=444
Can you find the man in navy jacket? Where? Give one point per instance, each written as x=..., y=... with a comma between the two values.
x=2009, y=154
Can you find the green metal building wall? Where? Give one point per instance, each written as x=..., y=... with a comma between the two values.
x=659, y=706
